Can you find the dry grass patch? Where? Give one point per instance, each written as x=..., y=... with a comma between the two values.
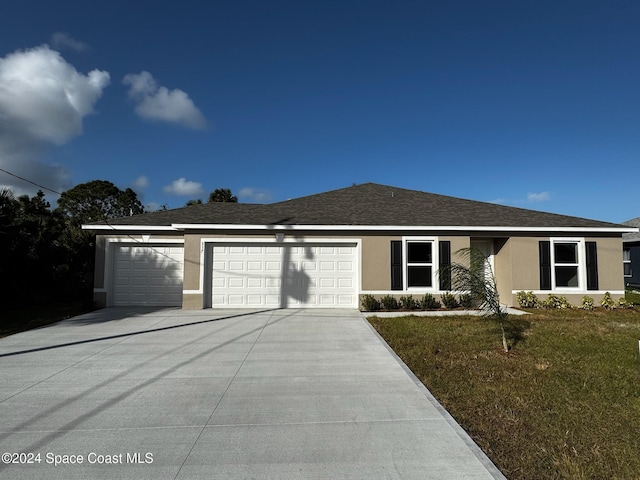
x=564, y=403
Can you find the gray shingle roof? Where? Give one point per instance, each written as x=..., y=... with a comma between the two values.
x=632, y=237
x=365, y=204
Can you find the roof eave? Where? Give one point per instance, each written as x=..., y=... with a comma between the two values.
x=483, y=228
x=469, y=228
x=146, y=228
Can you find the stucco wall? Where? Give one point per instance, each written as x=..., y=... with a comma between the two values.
x=516, y=264
x=526, y=270
x=502, y=268
x=376, y=262
x=610, y=269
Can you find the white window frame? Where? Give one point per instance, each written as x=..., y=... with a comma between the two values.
x=434, y=263
x=626, y=260
x=581, y=264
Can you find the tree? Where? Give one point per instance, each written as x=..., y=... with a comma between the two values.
x=197, y=201
x=475, y=277
x=33, y=265
x=96, y=201
x=222, y=195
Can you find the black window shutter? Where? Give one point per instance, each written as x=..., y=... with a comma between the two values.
x=445, y=261
x=396, y=265
x=545, y=265
x=592, y=265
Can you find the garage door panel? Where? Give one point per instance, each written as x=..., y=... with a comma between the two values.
x=147, y=275
x=273, y=266
x=307, y=275
x=345, y=283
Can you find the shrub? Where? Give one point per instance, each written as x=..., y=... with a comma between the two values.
x=607, y=302
x=467, y=300
x=553, y=301
x=449, y=300
x=428, y=302
x=407, y=302
x=370, y=303
x=622, y=303
x=389, y=303
x=527, y=300
x=587, y=303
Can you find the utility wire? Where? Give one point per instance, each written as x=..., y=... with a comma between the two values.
x=105, y=220
x=29, y=181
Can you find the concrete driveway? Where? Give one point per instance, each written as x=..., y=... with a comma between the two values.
x=173, y=394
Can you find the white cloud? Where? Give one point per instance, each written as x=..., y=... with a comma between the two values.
x=531, y=198
x=43, y=101
x=184, y=187
x=152, y=207
x=154, y=102
x=141, y=182
x=62, y=40
x=255, y=195
x=539, y=197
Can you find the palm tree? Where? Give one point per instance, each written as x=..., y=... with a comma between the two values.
x=475, y=277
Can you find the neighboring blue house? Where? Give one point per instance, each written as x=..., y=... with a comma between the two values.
x=631, y=255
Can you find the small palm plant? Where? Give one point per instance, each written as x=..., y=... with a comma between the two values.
x=475, y=277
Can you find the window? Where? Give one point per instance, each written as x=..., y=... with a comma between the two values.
x=626, y=261
x=415, y=262
x=419, y=264
x=568, y=267
x=566, y=264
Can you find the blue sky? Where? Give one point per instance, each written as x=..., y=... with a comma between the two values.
x=534, y=104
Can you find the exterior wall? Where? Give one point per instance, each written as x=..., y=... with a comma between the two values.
x=502, y=268
x=516, y=263
x=610, y=270
x=525, y=269
x=375, y=258
x=99, y=269
x=525, y=263
x=376, y=262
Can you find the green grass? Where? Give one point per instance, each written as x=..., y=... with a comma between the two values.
x=632, y=296
x=27, y=318
x=564, y=403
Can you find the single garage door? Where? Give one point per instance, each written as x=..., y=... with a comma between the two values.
x=282, y=276
x=147, y=275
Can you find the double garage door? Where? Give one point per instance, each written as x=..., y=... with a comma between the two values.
x=240, y=275
x=284, y=276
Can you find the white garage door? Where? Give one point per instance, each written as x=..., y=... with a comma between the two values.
x=147, y=275
x=281, y=276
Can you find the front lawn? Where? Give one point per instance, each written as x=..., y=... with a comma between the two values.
x=564, y=403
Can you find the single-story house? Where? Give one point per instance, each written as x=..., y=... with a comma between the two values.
x=631, y=254
x=330, y=249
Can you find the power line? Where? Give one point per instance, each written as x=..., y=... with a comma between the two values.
x=29, y=181
x=105, y=220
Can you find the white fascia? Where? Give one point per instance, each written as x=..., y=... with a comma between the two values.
x=440, y=228
x=149, y=228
